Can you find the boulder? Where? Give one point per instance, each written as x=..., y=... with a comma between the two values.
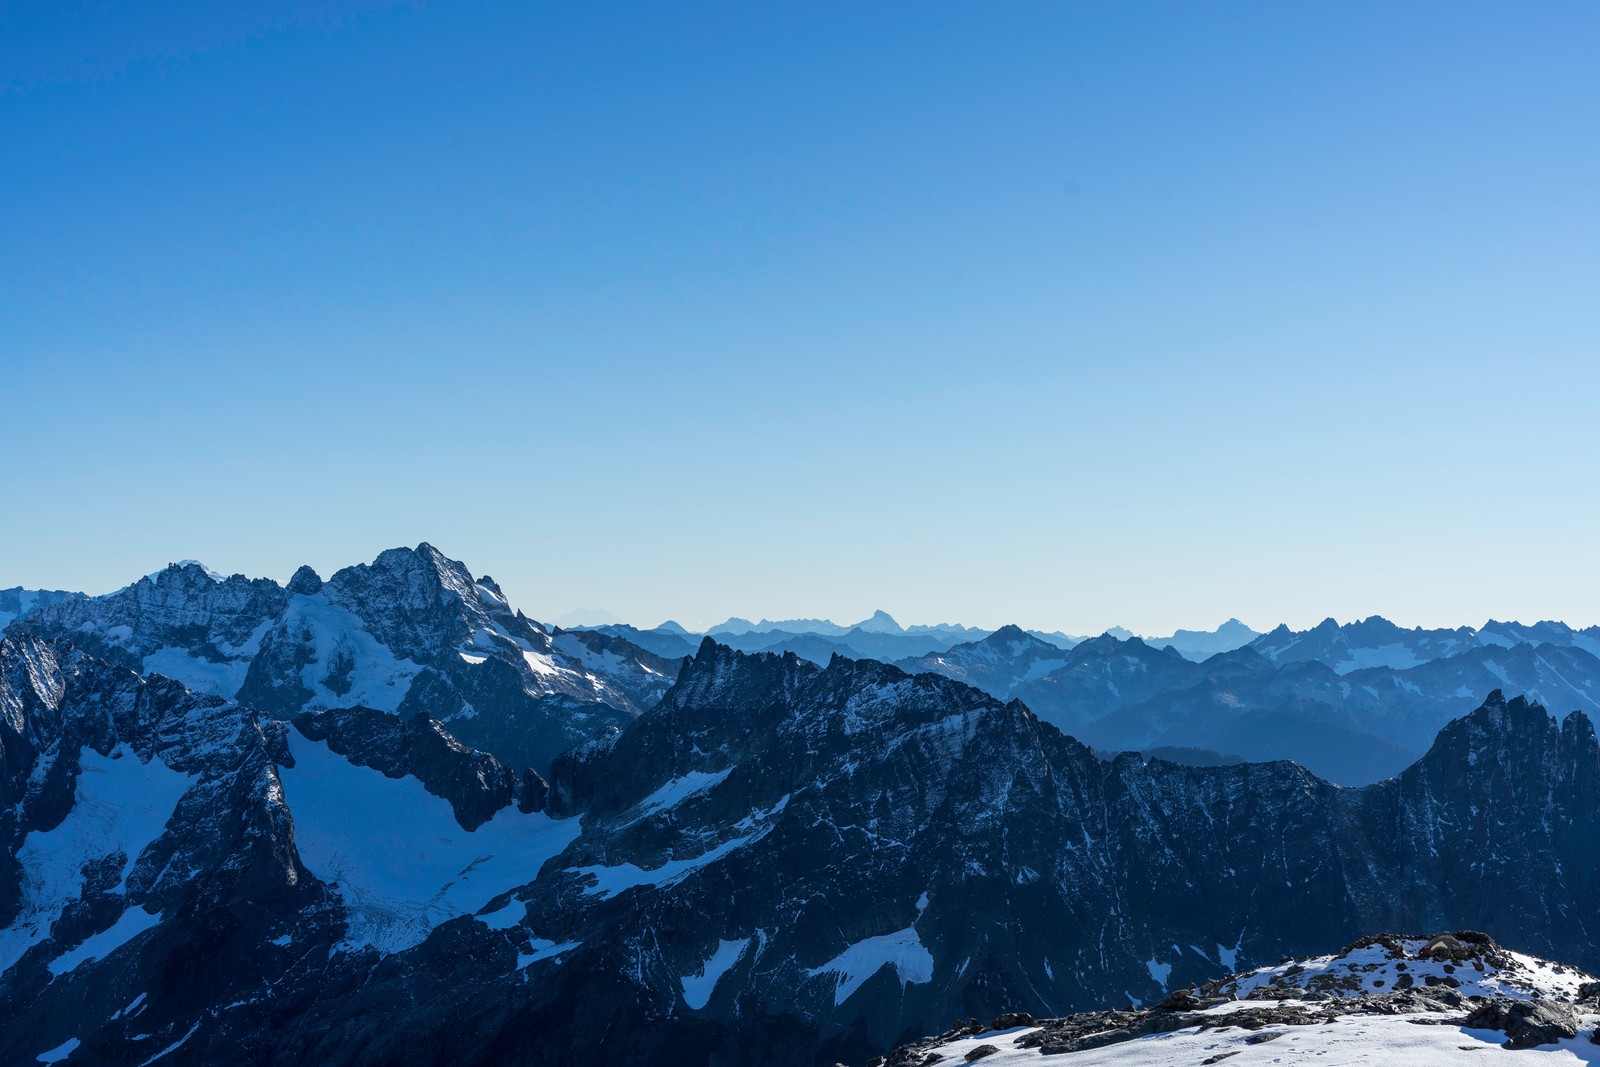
x=1526, y=1023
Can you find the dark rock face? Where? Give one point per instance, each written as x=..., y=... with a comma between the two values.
x=305, y=582
x=412, y=632
x=222, y=874
x=784, y=863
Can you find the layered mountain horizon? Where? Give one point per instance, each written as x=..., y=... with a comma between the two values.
x=779, y=861
x=1349, y=646
x=386, y=817
x=415, y=631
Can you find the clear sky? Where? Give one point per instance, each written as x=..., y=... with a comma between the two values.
x=1071, y=314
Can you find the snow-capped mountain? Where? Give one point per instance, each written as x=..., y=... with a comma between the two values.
x=779, y=862
x=411, y=632
x=1431, y=1001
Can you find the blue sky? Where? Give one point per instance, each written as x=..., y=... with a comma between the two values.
x=1072, y=315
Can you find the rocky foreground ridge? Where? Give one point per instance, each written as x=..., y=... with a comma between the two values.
x=1383, y=999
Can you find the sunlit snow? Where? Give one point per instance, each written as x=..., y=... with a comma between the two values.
x=697, y=988
x=129, y=925
x=119, y=804
x=402, y=863
x=902, y=950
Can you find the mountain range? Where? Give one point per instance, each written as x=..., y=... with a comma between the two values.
x=1273, y=699
x=881, y=637
x=779, y=861
x=386, y=818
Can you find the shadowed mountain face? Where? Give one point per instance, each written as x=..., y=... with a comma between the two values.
x=779, y=863
x=412, y=632
x=1353, y=728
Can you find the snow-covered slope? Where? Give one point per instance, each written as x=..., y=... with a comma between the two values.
x=400, y=858
x=1436, y=1002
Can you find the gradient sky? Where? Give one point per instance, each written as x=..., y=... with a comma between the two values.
x=1065, y=314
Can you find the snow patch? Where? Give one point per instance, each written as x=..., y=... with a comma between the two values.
x=130, y=924
x=59, y=1053
x=119, y=805
x=680, y=789
x=697, y=988
x=201, y=675
x=504, y=918
x=609, y=881
x=1395, y=656
x=543, y=950
x=132, y=1009
x=175, y=1046
x=343, y=652
x=401, y=862
x=902, y=950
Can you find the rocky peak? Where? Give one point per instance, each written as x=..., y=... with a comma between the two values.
x=305, y=581
x=425, y=605
x=1513, y=739
x=880, y=622
x=717, y=673
x=182, y=606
